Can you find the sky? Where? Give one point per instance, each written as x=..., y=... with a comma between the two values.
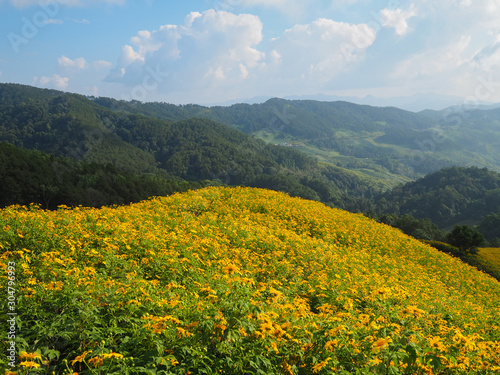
x=217, y=51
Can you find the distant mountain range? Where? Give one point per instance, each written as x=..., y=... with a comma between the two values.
x=413, y=103
x=188, y=148
x=387, y=143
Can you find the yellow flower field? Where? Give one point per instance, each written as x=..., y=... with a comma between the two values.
x=238, y=281
x=491, y=255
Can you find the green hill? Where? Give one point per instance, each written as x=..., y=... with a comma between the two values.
x=237, y=281
x=69, y=125
x=389, y=144
x=32, y=176
x=448, y=197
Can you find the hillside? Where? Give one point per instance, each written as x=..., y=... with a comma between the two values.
x=240, y=281
x=69, y=125
x=32, y=176
x=448, y=197
x=386, y=143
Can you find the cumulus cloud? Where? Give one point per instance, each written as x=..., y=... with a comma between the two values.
x=455, y=43
x=54, y=81
x=211, y=48
x=322, y=49
x=73, y=66
x=216, y=50
x=397, y=19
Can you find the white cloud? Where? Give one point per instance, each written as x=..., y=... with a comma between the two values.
x=455, y=43
x=307, y=57
x=435, y=62
x=211, y=48
x=72, y=66
x=217, y=51
x=397, y=19
x=54, y=81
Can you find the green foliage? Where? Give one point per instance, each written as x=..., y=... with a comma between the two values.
x=490, y=227
x=466, y=239
x=423, y=229
x=366, y=138
x=104, y=131
x=31, y=176
x=447, y=197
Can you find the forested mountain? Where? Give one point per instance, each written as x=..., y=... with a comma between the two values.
x=32, y=176
x=69, y=125
x=447, y=197
x=387, y=143
x=135, y=139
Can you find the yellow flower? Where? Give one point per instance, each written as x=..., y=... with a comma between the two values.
x=413, y=310
x=112, y=355
x=80, y=358
x=31, y=356
x=318, y=367
x=374, y=362
x=96, y=361
x=435, y=342
x=274, y=347
x=381, y=344
x=30, y=364
x=288, y=369
x=331, y=344
x=173, y=361
x=230, y=268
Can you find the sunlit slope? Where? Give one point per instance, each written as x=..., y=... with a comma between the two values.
x=242, y=281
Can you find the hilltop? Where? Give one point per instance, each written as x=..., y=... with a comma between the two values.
x=241, y=280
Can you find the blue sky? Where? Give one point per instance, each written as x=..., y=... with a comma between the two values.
x=213, y=51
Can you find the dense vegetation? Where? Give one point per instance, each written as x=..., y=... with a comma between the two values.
x=195, y=150
x=449, y=197
x=387, y=143
x=239, y=281
x=31, y=176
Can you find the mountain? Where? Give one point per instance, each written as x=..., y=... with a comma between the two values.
x=386, y=143
x=238, y=280
x=34, y=177
x=192, y=149
x=413, y=103
x=339, y=153
x=451, y=196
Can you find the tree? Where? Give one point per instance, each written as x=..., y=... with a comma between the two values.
x=490, y=226
x=467, y=239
